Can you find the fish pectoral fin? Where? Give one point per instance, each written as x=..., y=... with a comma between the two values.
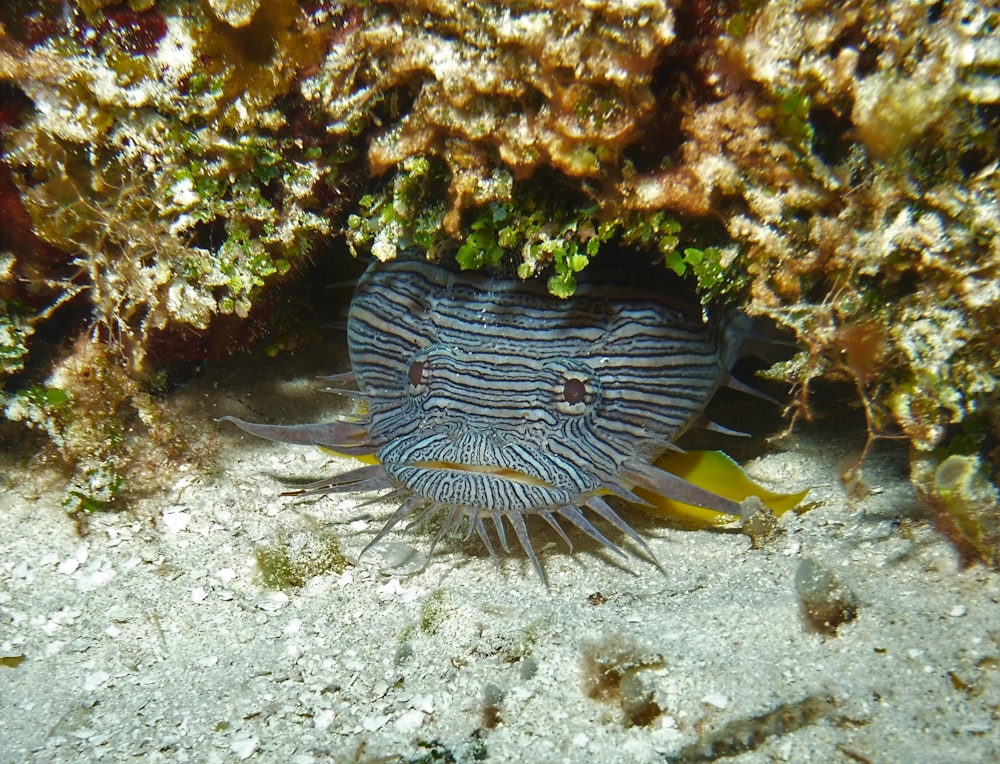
x=715, y=473
x=348, y=438
x=707, y=424
x=734, y=384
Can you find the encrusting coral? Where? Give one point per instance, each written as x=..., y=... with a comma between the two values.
x=830, y=166
x=159, y=177
x=166, y=181
x=498, y=90
x=883, y=253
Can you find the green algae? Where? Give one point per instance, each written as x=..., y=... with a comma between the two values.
x=541, y=230
x=15, y=336
x=297, y=555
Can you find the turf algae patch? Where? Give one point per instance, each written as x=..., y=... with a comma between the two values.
x=967, y=505
x=826, y=602
x=297, y=555
x=621, y=672
x=749, y=734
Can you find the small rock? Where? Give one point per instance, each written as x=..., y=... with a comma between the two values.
x=410, y=721
x=716, y=699
x=272, y=601
x=373, y=723
x=244, y=747
x=95, y=679
x=175, y=521
x=395, y=558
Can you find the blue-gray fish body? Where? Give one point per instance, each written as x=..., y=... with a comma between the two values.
x=491, y=398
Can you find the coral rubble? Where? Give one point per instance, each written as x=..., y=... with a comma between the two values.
x=167, y=163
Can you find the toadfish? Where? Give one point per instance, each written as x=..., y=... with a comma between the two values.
x=488, y=400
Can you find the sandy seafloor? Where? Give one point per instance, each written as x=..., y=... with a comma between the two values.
x=152, y=637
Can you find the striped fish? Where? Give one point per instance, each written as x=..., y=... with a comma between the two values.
x=489, y=400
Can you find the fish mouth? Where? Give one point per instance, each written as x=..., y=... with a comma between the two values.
x=483, y=488
x=505, y=473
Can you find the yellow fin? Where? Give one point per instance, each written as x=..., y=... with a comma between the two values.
x=365, y=459
x=718, y=473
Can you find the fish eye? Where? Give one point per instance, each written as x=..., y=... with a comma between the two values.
x=416, y=373
x=415, y=376
x=574, y=393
